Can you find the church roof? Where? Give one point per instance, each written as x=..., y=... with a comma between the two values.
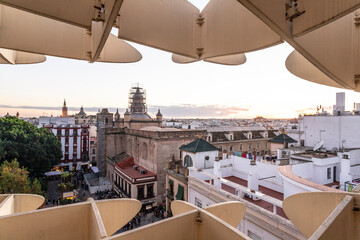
x=140, y=116
x=199, y=145
x=82, y=112
x=282, y=138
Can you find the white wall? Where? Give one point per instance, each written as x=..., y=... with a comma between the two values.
x=199, y=161
x=337, y=129
x=267, y=170
x=56, y=120
x=202, y=163
x=291, y=187
x=192, y=194
x=354, y=156
x=304, y=170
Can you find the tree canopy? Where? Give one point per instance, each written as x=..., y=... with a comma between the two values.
x=36, y=149
x=14, y=179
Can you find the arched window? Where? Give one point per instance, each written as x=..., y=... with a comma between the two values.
x=144, y=151
x=188, y=161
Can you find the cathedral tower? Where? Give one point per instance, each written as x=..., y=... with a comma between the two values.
x=64, y=110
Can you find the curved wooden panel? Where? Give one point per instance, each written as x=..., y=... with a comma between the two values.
x=302, y=68
x=79, y=12
x=307, y=211
x=167, y=25
x=230, y=28
x=231, y=212
x=27, y=202
x=179, y=207
x=115, y=213
x=321, y=12
x=29, y=58
x=118, y=51
x=235, y=59
x=176, y=58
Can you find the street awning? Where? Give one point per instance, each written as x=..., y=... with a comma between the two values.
x=180, y=193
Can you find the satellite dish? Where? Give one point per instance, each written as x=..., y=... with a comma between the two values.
x=318, y=145
x=334, y=150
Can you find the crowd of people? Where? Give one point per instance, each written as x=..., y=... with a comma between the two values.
x=133, y=223
x=106, y=194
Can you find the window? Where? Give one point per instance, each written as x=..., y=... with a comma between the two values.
x=67, y=140
x=66, y=132
x=240, y=147
x=171, y=183
x=140, y=194
x=75, y=141
x=328, y=173
x=231, y=147
x=220, y=148
x=66, y=157
x=198, y=202
x=66, y=149
x=84, y=131
x=93, y=151
x=257, y=144
x=266, y=144
x=188, y=161
x=58, y=133
x=150, y=191
x=180, y=193
x=93, y=158
x=250, y=145
x=231, y=137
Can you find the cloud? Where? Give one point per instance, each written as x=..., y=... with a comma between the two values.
x=313, y=109
x=181, y=111
x=189, y=110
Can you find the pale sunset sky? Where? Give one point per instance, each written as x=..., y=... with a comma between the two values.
x=261, y=86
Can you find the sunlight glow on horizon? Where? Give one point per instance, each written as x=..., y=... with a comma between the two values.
x=262, y=85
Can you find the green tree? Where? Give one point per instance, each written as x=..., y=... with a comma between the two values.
x=36, y=149
x=15, y=179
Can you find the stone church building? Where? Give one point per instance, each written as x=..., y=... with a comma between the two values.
x=144, y=139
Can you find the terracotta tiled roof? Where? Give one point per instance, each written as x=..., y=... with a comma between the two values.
x=127, y=166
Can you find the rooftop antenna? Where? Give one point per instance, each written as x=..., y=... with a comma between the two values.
x=318, y=145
